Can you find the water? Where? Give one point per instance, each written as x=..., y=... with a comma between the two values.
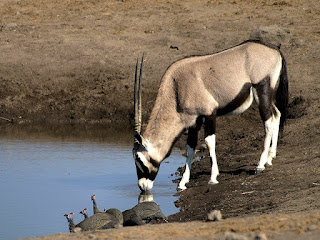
x=45, y=173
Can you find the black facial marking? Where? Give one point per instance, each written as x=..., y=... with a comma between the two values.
x=153, y=175
x=237, y=101
x=143, y=171
x=154, y=163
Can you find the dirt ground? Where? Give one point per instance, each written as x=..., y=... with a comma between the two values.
x=72, y=62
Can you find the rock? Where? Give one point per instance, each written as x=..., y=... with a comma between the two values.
x=260, y=236
x=312, y=228
x=233, y=236
x=77, y=230
x=214, y=215
x=273, y=34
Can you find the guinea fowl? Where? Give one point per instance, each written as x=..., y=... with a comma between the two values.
x=95, y=207
x=84, y=213
x=72, y=226
x=131, y=218
x=116, y=213
x=145, y=211
x=148, y=211
x=95, y=222
x=113, y=211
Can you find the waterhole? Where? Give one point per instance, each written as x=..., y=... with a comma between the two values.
x=46, y=172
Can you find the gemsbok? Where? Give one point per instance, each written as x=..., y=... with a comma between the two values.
x=195, y=90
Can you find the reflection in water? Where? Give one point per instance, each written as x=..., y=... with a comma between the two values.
x=145, y=197
x=45, y=176
x=148, y=209
x=68, y=133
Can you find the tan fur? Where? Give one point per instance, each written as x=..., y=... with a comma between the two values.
x=200, y=85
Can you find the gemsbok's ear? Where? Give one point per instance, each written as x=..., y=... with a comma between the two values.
x=139, y=143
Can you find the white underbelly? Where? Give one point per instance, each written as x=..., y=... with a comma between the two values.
x=244, y=106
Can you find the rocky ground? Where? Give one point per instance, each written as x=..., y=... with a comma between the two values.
x=72, y=62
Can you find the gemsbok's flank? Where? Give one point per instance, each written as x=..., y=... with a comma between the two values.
x=197, y=89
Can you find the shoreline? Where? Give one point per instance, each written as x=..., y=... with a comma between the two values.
x=298, y=226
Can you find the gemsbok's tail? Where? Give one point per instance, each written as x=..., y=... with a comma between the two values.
x=282, y=95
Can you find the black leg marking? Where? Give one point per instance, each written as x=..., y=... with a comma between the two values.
x=265, y=95
x=193, y=133
x=210, y=125
x=191, y=145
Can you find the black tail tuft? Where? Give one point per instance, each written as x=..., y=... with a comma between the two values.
x=282, y=95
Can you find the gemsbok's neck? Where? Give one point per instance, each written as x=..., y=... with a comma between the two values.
x=165, y=124
x=159, y=140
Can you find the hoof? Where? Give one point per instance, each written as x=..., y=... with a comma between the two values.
x=213, y=182
x=181, y=188
x=269, y=161
x=259, y=170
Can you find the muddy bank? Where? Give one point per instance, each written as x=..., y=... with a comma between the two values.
x=278, y=227
x=73, y=61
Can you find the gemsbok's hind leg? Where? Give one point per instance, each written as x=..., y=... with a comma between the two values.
x=191, y=147
x=274, y=141
x=268, y=126
x=263, y=95
x=210, y=139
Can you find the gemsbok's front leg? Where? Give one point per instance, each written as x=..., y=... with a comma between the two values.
x=191, y=148
x=210, y=139
x=186, y=175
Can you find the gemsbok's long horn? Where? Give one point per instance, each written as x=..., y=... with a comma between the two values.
x=137, y=102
